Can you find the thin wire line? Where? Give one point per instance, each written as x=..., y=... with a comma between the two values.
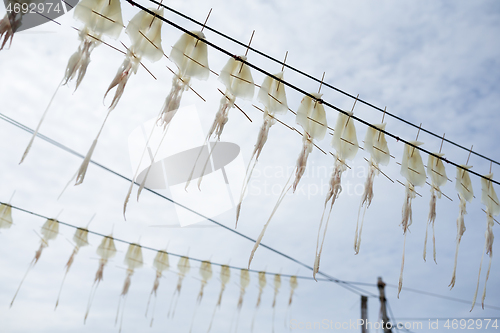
x=328, y=277
x=220, y=49
x=319, y=81
x=156, y=250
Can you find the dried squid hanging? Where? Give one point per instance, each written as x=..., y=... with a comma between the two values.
x=50, y=230
x=277, y=286
x=237, y=78
x=437, y=172
x=412, y=168
x=225, y=274
x=184, y=267
x=80, y=238
x=272, y=96
x=262, y=285
x=312, y=117
x=490, y=200
x=206, y=274
x=5, y=216
x=161, y=263
x=345, y=143
x=100, y=18
x=244, y=282
x=144, y=31
x=133, y=260
x=376, y=145
x=293, y=285
x=105, y=251
x=465, y=193
x=191, y=57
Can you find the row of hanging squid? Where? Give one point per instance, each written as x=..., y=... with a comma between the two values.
x=189, y=54
x=134, y=260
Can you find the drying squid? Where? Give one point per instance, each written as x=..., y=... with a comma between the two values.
x=5, y=216
x=490, y=200
x=80, y=238
x=105, y=251
x=133, y=260
x=237, y=78
x=412, y=168
x=293, y=285
x=50, y=230
x=272, y=96
x=161, y=263
x=225, y=274
x=345, y=143
x=191, y=57
x=244, y=282
x=437, y=172
x=144, y=31
x=100, y=17
x=206, y=274
x=312, y=117
x=184, y=267
x=190, y=54
x=465, y=193
x=277, y=286
x=376, y=145
x=262, y=285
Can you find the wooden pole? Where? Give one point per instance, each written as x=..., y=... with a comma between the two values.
x=383, y=310
x=364, y=313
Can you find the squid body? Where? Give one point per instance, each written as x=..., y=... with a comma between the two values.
x=312, y=117
x=465, y=193
x=80, y=238
x=161, y=263
x=412, y=168
x=237, y=78
x=345, y=143
x=49, y=231
x=437, y=172
x=105, y=251
x=490, y=200
x=272, y=96
x=376, y=145
x=133, y=260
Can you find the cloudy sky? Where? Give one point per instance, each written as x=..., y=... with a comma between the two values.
x=431, y=62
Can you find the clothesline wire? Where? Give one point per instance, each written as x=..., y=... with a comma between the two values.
x=328, y=277
x=222, y=50
x=320, y=81
x=156, y=250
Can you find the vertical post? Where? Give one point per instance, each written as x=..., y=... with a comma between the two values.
x=364, y=313
x=383, y=310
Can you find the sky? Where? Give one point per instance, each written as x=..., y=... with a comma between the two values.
x=431, y=62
